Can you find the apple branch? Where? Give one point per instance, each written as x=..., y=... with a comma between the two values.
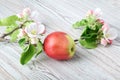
x=6, y=34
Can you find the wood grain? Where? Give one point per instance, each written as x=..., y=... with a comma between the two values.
x=102, y=63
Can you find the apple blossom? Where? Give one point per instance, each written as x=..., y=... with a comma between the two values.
x=27, y=13
x=109, y=34
x=97, y=13
x=103, y=42
x=35, y=29
x=24, y=13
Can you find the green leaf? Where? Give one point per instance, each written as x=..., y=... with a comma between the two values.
x=91, y=19
x=39, y=48
x=11, y=20
x=88, y=38
x=14, y=35
x=22, y=43
x=28, y=23
x=10, y=28
x=27, y=54
x=88, y=44
x=78, y=24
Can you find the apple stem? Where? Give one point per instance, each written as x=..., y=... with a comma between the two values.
x=76, y=40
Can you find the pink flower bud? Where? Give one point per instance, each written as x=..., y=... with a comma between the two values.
x=100, y=21
x=90, y=12
x=109, y=41
x=103, y=42
x=26, y=11
x=20, y=15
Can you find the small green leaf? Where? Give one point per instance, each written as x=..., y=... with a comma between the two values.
x=91, y=19
x=22, y=43
x=14, y=35
x=27, y=54
x=88, y=44
x=39, y=48
x=28, y=23
x=78, y=24
x=11, y=20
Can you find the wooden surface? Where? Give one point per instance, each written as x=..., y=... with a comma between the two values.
x=102, y=63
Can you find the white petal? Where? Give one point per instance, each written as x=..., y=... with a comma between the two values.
x=30, y=27
x=112, y=33
x=98, y=12
x=105, y=27
x=41, y=29
x=103, y=42
x=32, y=36
x=34, y=15
x=26, y=29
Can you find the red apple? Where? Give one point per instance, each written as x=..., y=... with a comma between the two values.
x=59, y=45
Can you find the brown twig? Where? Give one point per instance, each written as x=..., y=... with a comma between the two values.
x=4, y=35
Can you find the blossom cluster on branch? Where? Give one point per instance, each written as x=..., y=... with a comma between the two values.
x=96, y=30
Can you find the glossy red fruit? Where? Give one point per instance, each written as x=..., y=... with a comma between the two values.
x=59, y=45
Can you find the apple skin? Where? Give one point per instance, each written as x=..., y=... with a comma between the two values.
x=59, y=45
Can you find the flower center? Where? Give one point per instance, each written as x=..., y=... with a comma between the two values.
x=107, y=35
x=33, y=32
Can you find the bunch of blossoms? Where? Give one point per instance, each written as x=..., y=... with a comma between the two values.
x=30, y=34
x=96, y=30
x=34, y=28
x=26, y=28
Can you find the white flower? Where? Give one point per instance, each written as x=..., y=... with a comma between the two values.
x=27, y=13
x=109, y=34
x=35, y=29
x=97, y=12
